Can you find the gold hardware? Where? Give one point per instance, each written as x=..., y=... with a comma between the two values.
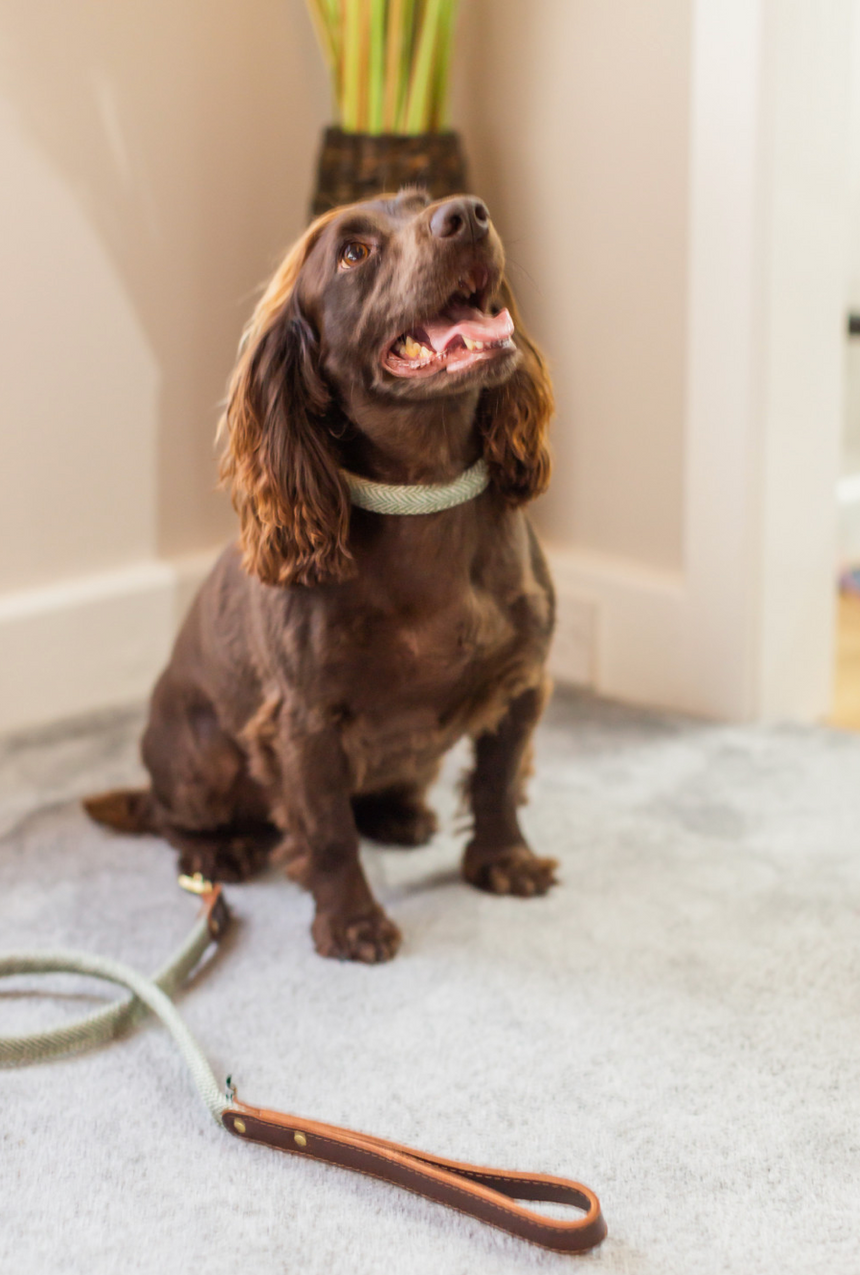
x=239, y=1126
x=300, y=1140
x=196, y=884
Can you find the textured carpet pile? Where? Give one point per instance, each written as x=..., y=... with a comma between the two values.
x=677, y=1024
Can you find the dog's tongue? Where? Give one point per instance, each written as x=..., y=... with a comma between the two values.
x=469, y=324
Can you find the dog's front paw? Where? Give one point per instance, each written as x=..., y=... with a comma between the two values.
x=370, y=938
x=515, y=870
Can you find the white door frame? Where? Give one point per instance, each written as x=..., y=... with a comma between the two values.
x=745, y=630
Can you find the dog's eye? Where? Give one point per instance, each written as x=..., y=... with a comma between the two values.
x=352, y=254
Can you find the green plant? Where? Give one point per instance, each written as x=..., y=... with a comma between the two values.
x=389, y=62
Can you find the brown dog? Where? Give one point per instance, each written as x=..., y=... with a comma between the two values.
x=335, y=654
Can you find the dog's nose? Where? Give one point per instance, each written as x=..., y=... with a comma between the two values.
x=463, y=218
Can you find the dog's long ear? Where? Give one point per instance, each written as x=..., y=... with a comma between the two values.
x=278, y=461
x=514, y=419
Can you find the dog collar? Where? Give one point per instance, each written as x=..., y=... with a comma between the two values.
x=417, y=498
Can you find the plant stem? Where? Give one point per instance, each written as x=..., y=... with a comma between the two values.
x=407, y=52
x=335, y=27
x=325, y=31
x=389, y=61
x=350, y=106
x=441, y=89
x=394, y=57
x=319, y=12
x=376, y=66
x=418, y=107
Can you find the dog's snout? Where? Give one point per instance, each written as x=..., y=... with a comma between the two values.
x=463, y=218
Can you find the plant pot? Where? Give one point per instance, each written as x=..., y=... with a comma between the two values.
x=356, y=166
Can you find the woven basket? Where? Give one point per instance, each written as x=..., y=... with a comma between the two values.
x=356, y=166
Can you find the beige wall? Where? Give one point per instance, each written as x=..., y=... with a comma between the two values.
x=640, y=160
x=576, y=115
x=156, y=158
x=81, y=384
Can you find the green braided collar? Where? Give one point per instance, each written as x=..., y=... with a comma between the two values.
x=418, y=498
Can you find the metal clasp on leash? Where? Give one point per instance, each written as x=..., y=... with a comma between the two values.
x=196, y=884
x=217, y=912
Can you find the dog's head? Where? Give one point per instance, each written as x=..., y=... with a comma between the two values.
x=398, y=302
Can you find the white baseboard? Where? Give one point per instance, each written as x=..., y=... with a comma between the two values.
x=620, y=629
x=101, y=641
x=91, y=643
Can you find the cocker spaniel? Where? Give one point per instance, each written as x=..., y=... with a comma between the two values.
x=335, y=653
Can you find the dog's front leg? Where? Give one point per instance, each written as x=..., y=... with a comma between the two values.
x=498, y=858
x=313, y=807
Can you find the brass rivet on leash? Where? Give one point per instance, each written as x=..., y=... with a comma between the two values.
x=300, y=1140
x=195, y=884
x=239, y=1126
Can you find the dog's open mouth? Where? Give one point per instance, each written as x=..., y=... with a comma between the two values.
x=462, y=334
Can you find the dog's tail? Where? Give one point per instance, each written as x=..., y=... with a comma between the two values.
x=128, y=810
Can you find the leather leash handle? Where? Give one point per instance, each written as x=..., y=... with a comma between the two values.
x=490, y=1195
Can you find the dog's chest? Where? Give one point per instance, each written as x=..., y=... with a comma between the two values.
x=438, y=647
x=425, y=653
x=417, y=681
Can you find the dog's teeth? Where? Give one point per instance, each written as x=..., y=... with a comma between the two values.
x=411, y=349
x=470, y=344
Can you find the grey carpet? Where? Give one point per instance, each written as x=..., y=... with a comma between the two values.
x=676, y=1024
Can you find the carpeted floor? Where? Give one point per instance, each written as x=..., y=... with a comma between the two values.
x=677, y=1024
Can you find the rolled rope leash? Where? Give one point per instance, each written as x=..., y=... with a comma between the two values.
x=489, y=1195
